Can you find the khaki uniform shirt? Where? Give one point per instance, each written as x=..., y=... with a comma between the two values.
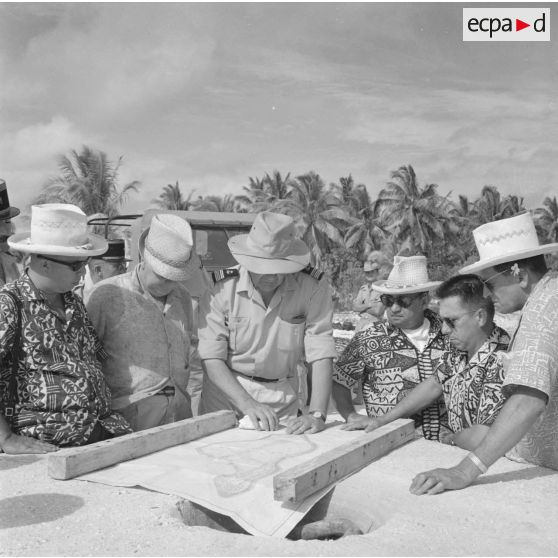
x=268, y=341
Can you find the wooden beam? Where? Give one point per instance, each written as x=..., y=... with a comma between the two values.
x=72, y=462
x=298, y=482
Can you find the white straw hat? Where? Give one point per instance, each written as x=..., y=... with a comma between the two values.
x=409, y=275
x=270, y=246
x=58, y=229
x=507, y=240
x=167, y=247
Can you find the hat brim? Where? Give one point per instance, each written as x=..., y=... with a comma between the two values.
x=21, y=242
x=519, y=255
x=385, y=287
x=170, y=272
x=9, y=213
x=297, y=260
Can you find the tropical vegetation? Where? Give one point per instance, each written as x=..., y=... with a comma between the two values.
x=340, y=222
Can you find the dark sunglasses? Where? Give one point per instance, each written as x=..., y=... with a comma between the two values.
x=74, y=266
x=451, y=322
x=404, y=300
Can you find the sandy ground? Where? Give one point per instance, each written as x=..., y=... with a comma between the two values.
x=511, y=511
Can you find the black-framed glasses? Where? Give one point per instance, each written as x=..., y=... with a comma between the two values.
x=451, y=322
x=402, y=300
x=74, y=266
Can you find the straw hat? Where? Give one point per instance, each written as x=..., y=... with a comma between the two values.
x=6, y=212
x=270, y=246
x=58, y=229
x=507, y=240
x=409, y=275
x=167, y=246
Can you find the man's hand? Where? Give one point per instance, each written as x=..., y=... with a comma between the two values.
x=14, y=444
x=299, y=425
x=356, y=421
x=438, y=480
x=262, y=416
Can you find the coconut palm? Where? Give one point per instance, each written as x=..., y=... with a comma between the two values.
x=218, y=203
x=318, y=213
x=89, y=180
x=414, y=214
x=261, y=194
x=171, y=198
x=547, y=219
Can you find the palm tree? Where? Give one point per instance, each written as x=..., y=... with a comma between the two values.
x=276, y=187
x=261, y=194
x=218, y=203
x=417, y=215
x=547, y=219
x=320, y=218
x=89, y=180
x=171, y=198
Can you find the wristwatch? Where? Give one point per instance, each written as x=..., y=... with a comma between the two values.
x=317, y=415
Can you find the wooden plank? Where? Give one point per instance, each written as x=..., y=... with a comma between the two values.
x=297, y=483
x=72, y=462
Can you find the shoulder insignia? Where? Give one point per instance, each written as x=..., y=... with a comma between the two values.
x=313, y=272
x=222, y=274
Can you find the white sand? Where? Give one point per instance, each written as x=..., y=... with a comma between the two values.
x=511, y=511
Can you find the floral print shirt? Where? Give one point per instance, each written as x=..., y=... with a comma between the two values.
x=473, y=390
x=388, y=366
x=61, y=390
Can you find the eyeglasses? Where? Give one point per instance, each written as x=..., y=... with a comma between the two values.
x=404, y=300
x=74, y=266
x=489, y=285
x=451, y=322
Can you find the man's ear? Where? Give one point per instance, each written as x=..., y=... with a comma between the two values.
x=97, y=269
x=482, y=317
x=524, y=278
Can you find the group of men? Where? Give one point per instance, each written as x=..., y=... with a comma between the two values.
x=74, y=373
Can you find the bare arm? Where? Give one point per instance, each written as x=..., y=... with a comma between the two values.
x=517, y=416
x=262, y=416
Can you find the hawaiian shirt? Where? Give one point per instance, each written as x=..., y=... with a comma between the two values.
x=61, y=390
x=473, y=389
x=532, y=361
x=387, y=364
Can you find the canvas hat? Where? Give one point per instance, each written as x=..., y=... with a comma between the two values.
x=6, y=212
x=116, y=251
x=168, y=247
x=507, y=240
x=408, y=275
x=270, y=246
x=58, y=229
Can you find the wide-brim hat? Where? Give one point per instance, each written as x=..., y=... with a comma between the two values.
x=507, y=240
x=409, y=275
x=167, y=247
x=270, y=246
x=58, y=229
x=6, y=211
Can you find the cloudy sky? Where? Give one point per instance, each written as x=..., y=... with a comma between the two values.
x=210, y=94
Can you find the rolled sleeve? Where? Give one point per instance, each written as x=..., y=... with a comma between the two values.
x=213, y=331
x=318, y=336
x=349, y=368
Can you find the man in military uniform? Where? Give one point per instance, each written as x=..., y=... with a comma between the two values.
x=9, y=270
x=265, y=317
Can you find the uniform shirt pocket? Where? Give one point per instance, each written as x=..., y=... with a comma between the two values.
x=291, y=336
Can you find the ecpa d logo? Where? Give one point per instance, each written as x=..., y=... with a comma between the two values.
x=506, y=24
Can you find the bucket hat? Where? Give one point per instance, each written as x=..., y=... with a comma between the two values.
x=58, y=229
x=270, y=246
x=409, y=275
x=507, y=240
x=167, y=246
x=6, y=211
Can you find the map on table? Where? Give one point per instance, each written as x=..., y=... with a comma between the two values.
x=231, y=472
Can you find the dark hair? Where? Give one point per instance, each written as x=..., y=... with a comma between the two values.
x=470, y=289
x=536, y=264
